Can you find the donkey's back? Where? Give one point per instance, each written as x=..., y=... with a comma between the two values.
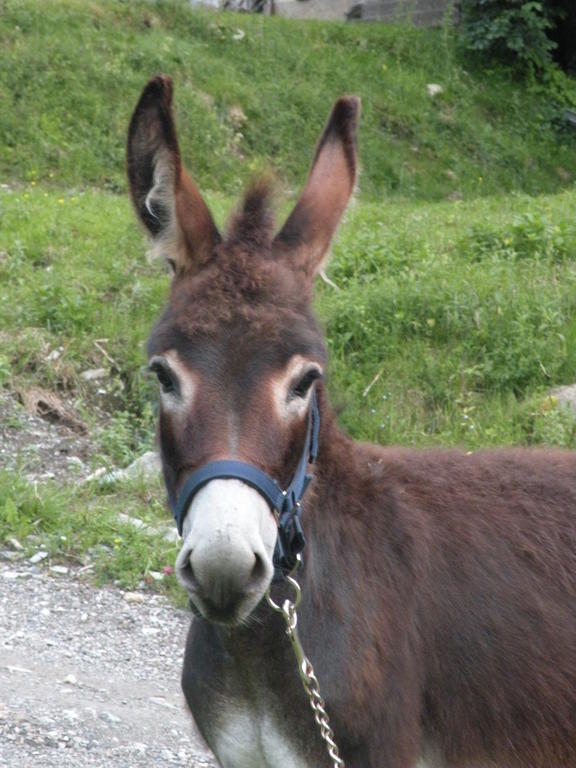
x=480, y=553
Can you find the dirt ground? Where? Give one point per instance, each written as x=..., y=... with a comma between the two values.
x=88, y=676
x=42, y=448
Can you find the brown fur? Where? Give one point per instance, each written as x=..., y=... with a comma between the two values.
x=439, y=588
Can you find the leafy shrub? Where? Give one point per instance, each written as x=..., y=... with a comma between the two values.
x=509, y=30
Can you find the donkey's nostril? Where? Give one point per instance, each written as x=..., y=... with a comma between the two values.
x=259, y=572
x=185, y=573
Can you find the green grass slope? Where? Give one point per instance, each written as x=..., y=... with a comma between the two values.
x=251, y=92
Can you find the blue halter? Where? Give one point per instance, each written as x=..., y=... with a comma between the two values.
x=284, y=503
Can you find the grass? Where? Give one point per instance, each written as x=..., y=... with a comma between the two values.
x=454, y=316
x=71, y=71
x=80, y=526
x=466, y=316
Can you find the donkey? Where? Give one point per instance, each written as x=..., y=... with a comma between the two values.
x=438, y=588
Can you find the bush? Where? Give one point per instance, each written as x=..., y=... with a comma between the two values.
x=513, y=31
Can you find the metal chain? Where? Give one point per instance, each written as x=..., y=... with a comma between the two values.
x=306, y=670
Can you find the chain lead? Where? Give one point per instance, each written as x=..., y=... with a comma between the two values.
x=306, y=671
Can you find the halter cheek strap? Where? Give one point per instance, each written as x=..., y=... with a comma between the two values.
x=284, y=503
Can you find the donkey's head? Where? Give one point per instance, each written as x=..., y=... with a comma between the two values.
x=237, y=351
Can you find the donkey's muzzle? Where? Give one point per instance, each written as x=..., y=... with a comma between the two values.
x=219, y=578
x=225, y=562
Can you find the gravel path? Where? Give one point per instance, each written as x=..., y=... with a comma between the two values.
x=90, y=676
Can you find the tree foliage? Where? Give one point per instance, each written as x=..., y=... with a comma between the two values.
x=530, y=33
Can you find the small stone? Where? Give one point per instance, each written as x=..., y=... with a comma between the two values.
x=59, y=569
x=75, y=461
x=15, y=544
x=8, y=554
x=70, y=680
x=97, y=474
x=93, y=374
x=10, y=575
x=565, y=395
x=145, y=468
x=161, y=702
x=134, y=597
x=108, y=717
x=434, y=89
x=38, y=557
x=135, y=522
x=171, y=534
x=156, y=575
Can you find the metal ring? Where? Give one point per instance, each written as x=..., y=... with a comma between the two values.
x=297, y=596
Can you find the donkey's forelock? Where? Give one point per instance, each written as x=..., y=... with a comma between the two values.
x=240, y=287
x=252, y=225
x=245, y=280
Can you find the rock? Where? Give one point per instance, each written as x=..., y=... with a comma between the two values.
x=108, y=717
x=96, y=475
x=565, y=395
x=156, y=576
x=162, y=702
x=93, y=374
x=75, y=461
x=135, y=522
x=59, y=569
x=8, y=554
x=13, y=575
x=134, y=597
x=38, y=557
x=434, y=89
x=171, y=535
x=145, y=468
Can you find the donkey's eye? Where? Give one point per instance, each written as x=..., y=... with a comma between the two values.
x=165, y=378
x=302, y=385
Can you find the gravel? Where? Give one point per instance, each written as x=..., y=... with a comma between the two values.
x=90, y=676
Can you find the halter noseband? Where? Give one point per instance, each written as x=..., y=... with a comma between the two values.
x=284, y=503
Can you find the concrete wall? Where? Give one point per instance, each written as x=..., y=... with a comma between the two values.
x=312, y=9
x=420, y=12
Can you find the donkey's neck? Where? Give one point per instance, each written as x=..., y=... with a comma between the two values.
x=245, y=678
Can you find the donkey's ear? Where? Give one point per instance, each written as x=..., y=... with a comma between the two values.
x=308, y=231
x=166, y=200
